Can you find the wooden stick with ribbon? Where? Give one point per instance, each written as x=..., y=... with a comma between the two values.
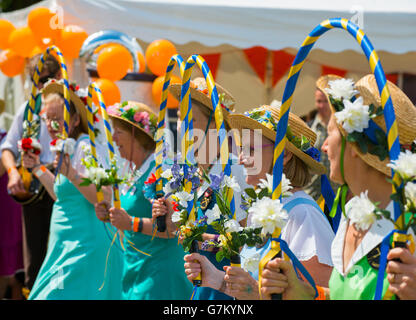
x=376, y=68
x=35, y=82
x=176, y=59
x=187, y=134
x=186, y=116
x=107, y=126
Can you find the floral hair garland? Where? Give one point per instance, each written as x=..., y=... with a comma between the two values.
x=356, y=118
x=145, y=120
x=225, y=103
x=265, y=117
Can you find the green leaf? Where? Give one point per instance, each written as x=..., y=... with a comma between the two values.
x=263, y=193
x=251, y=193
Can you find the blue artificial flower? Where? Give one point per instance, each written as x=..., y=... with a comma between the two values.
x=314, y=153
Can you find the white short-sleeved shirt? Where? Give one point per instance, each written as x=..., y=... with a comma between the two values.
x=307, y=233
x=15, y=134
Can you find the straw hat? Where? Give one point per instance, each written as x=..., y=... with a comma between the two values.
x=404, y=110
x=267, y=124
x=199, y=92
x=136, y=114
x=1, y=106
x=80, y=105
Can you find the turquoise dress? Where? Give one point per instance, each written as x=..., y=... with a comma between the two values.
x=160, y=276
x=74, y=266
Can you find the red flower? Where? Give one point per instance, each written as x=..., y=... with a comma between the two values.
x=36, y=151
x=175, y=206
x=151, y=180
x=96, y=118
x=53, y=142
x=26, y=144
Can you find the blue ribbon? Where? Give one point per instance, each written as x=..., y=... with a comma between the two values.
x=329, y=196
x=385, y=245
x=296, y=263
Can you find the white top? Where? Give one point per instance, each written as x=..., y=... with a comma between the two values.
x=307, y=231
x=377, y=232
x=15, y=134
x=238, y=172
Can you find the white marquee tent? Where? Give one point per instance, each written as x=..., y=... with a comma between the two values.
x=228, y=27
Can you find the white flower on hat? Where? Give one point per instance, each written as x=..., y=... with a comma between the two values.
x=341, y=89
x=354, y=117
x=360, y=211
x=268, y=214
x=232, y=225
x=251, y=263
x=213, y=214
x=405, y=165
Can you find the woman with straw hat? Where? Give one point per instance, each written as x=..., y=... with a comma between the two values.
x=307, y=232
x=74, y=266
x=158, y=276
x=358, y=154
x=209, y=162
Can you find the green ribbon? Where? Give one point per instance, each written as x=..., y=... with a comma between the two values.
x=342, y=190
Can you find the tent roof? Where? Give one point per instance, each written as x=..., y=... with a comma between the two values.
x=390, y=25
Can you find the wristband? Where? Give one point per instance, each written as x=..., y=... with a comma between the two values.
x=321, y=293
x=136, y=224
x=140, y=225
x=39, y=172
x=11, y=169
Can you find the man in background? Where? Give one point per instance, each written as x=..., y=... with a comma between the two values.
x=318, y=120
x=37, y=214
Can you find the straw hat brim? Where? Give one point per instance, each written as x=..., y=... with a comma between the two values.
x=55, y=87
x=175, y=90
x=2, y=106
x=404, y=110
x=143, y=107
x=239, y=121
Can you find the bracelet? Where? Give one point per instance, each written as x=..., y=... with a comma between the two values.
x=39, y=172
x=11, y=169
x=321, y=293
x=135, y=223
x=140, y=225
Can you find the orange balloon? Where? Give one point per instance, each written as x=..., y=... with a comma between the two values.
x=113, y=62
x=158, y=54
x=11, y=64
x=109, y=90
x=157, y=88
x=39, y=21
x=70, y=41
x=22, y=41
x=6, y=29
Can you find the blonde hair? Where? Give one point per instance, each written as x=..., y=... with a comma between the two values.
x=296, y=171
